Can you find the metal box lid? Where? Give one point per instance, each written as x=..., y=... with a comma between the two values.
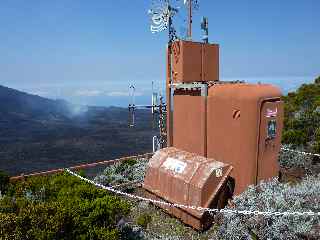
x=185, y=178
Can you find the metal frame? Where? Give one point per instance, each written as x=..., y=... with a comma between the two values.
x=158, y=110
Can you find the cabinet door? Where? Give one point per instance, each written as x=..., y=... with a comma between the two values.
x=189, y=123
x=186, y=62
x=271, y=124
x=210, y=62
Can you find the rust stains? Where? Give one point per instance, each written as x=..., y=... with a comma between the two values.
x=186, y=178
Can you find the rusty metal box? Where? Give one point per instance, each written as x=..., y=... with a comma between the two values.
x=194, y=62
x=181, y=177
x=240, y=116
x=239, y=124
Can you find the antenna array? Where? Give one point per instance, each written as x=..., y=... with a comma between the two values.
x=158, y=110
x=162, y=13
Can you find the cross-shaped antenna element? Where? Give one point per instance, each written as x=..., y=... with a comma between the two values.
x=131, y=107
x=162, y=12
x=160, y=18
x=158, y=110
x=204, y=27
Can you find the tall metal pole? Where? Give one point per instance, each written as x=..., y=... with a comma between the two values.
x=190, y=20
x=168, y=83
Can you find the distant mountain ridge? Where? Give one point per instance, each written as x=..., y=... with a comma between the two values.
x=16, y=102
x=37, y=133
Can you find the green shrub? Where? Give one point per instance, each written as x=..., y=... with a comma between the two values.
x=316, y=147
x=125, y=165
x=82, y=173
x=294, y=137
x=302, y=117
x=60, y=207
x=144, y=219
x=8, y=223
x=4, y=181
x=119, y=173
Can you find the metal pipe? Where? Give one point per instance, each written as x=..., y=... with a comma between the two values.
x=168, y=97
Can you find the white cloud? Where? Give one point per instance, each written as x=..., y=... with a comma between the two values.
x=34, y=91
x=40, y=93
x=88, y=93
x=122, y=94
x=96, y=93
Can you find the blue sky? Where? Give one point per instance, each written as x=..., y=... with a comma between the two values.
x=90, y=51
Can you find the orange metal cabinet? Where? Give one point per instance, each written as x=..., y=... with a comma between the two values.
x=184, y=178
x=237, y=130
x=186, y=61
x=194, y=62
x=210, y=62
x=189, y=118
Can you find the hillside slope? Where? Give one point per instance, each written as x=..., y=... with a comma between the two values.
x=39, y=134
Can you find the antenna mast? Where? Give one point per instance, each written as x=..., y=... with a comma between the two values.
x=162, y=19
x=190, y=20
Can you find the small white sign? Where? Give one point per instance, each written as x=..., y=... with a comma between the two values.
x=271, y=112
x=174, y=165
x=219, y=172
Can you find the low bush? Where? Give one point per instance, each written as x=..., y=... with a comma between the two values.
x=296, y=137
x=274, y=196
x=302, y=117
x=59, y=207
x=144, y=219
x=288, y=159
x=127, y=171
x=4, y=181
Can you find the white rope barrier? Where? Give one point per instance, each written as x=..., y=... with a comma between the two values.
x=300, y=152
x=210, y=210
